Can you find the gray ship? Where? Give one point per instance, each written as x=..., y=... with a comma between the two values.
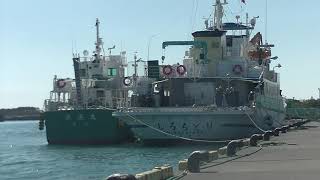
x=225, y=89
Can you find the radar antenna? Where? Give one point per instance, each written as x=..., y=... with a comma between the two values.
x=218, y=15
x=99, y=42
x=109, y=49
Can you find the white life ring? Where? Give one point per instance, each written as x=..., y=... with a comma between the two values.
x=127, y=81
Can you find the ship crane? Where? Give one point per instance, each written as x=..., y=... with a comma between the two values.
x=99, y=42
x=198, y=44
x=111, y=48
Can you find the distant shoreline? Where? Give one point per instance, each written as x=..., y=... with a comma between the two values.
x=21, y=118
x=20, y=114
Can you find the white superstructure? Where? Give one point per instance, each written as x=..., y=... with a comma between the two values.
x=98, y=81
x=224, y=89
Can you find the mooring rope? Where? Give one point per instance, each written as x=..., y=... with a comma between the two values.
x=254, y=123
x=176, y=136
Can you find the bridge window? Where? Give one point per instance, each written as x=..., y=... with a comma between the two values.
x=112, y=72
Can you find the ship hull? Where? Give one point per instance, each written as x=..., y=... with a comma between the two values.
x=196, y=127
x=89, y=126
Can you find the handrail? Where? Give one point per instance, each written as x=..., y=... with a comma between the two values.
x=197, y=44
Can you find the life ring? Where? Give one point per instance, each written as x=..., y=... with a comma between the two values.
x=167, y=70
x=237, y=69
x=127, y=81
x=181, y=70
x=61, y=83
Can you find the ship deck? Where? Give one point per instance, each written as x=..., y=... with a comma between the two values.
x=294, y=156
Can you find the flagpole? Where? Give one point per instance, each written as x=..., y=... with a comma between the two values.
x=266, y=23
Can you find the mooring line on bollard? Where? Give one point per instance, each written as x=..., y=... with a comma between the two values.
x=254, y=123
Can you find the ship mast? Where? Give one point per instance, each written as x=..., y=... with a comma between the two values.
x=99, y=42
x=218, y=15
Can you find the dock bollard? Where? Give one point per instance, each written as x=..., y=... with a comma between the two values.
x=246, y=142
x=242, y=143
x=276, y=131
x=232, y=147
x=194, y=160
x=255, y=138
x=299, y=124
x=267, y=135
x=287, y=127
x=307, y=121
x=283, y=129
x=121, y=177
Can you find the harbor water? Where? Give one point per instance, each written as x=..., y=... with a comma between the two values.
x=25, y=154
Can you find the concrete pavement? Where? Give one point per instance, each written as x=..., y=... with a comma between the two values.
x=291, y=156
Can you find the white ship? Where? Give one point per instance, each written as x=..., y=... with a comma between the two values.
x=225, y=89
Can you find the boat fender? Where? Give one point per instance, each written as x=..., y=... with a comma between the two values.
x=41, y=124
x=121, y=177
x=167, y=70
x=254, y=139
x=237, y=69
x=267, y=135
x=181, y=70
x=232, y=148
x=194, y=160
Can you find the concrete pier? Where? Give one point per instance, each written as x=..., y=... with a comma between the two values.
x=291, y=156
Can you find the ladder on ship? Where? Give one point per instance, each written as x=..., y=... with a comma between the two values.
x=76, y=65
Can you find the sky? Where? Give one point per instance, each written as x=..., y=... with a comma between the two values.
x=37, y=38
